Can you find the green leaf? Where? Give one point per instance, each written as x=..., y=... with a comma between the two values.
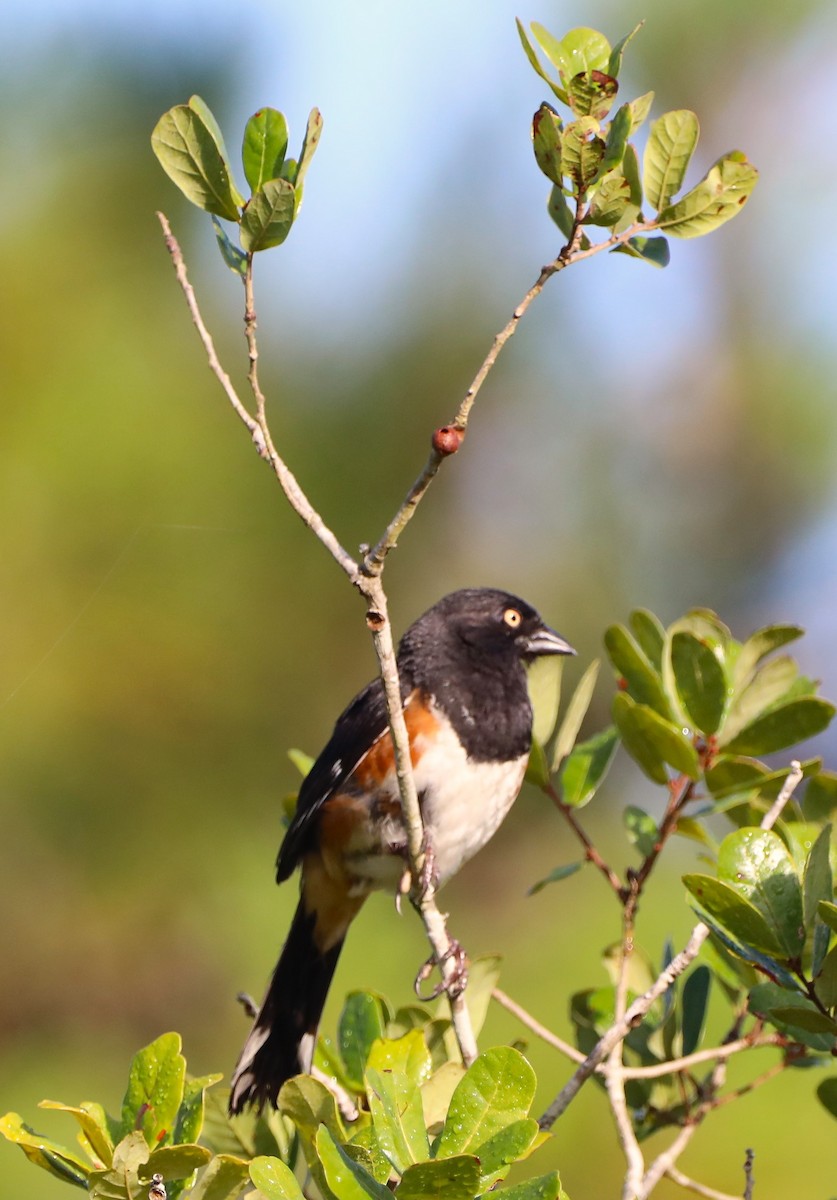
x=740, y=949
x=202, y=109
x=617, y=138
x=694, y=1005
x=734, y=775
x=671, y=143
x=61, y=1162
x=529, y=51
x=347, y=1179
x=591, y=94
x=735, y=913
x=783, y=726
x=649, y=635
x=757, y=647
x=555, y=876
x=718, y=197
x=189, y=1124
x=364, y=1148
x=274, y=1179
x=545, y=1187
x=559, y=211
x=765, y=689
x=820, y=801
x=757, y=864
x=653, y=250
x=395, y=1104
x=640, y=108
x=826, y=981
x=264, y=147
x=362, y=1021
x=700, y=680
x=225, y=1178
x=809, y=1019
x=268, y=217
x=436, y=1093
x=310, y=1104
x=156, y=1081
x=456, y=1178
x=543, y=679
x=827, y=1095
x=190, y=156
x=574, y=716
x=121, y=1180
x=630, y=169
x=313, y=130
x=652, y=741
x=407, y=1054
x=581, y=49
x=614, y=63
x=537, y=768
x=93, y=1122
x=498, y=1154
x=818, y=883
x=827, y=912
x=235, y=259
x=582, y=152
x=630, y=663
x=586, y=767
x=546, y=141
x=496, y=1090
x=610, y=200
x=791, y=1013
x=641, y=829
x=175, y=1162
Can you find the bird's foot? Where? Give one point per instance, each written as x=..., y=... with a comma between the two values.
x=454, y=980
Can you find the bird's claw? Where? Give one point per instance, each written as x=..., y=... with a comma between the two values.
x=457, y=976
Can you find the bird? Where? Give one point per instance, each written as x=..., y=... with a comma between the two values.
x=469, y=720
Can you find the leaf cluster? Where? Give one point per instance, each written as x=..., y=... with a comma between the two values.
x=190, y=147
x=591, y=161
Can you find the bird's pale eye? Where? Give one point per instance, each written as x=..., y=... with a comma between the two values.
x=512, y=618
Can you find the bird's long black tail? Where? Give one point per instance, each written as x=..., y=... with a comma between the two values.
x=281, y=1042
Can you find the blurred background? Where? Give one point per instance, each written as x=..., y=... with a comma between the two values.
x=656, y=438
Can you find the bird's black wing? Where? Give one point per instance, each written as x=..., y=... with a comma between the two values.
x=356, y=730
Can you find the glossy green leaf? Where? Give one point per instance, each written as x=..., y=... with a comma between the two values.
x=268, y=217
x=537, y=767
x=653, y=250
x=362, y=1021
x=650, y=739
x=498, y=1153
x=630, y=663
x=235, y=259
x=58, y=1160
x=826, y=981
x=544, y=1187
x=694, y=1005
x=614, y=62
x=189, y=154
x=758, y=646
x=555, y=876
x=437, y=1092
x=175, y=1162
x=734, y=775
x=156, y=1082
x=94, y=1127
x=671, y=143
x=783, y=726
x=591, y=94
x=757, y=864
x=407, y=1054
x=395, y=1104
x=630, y=169
x=225, y=1178
x=264, y=147
x=640, y=108
x=456, y=1178
x=770, y=683
x=820, y=803
x=560, y=213
x=120, y=1181
x=573, y=718
x=809, y=1019
x=310, y=1104
x=735, y=913
x=609, y=201
x=719, y=196
x=534, y=62
x=618, y=133
x=313, y=131
x=641, y=829
x=769, y=1000
x=827, y=912
x=586, y=767
x=347, y=1179
x=817, y=882
x=582, y=152
x=741, y=949
x=582, y=49
x=700, y=681
x=364, y=1148
x=546, y=141
x=827, y=1095
x=496, y=1090
x=274, y=1179
x=543, y=680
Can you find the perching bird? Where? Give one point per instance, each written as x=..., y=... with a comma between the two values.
x=469, y=720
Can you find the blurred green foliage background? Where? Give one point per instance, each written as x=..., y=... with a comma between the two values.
x=169, y=629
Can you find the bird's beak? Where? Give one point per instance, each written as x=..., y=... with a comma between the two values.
x=546, y=641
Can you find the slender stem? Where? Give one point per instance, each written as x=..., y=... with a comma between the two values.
x=700, y=1189
x=675, y=1065
x=590, y=852
x=614, y=1077
x=541, y=1031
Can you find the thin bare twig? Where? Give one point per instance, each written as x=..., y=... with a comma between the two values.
x=749, y=1181
x=590, y=852
x=614, y=1077
x=700, y=1189
x=541, y=1031
x=675, y=1065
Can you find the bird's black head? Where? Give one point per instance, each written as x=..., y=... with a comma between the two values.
x=481, y=626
